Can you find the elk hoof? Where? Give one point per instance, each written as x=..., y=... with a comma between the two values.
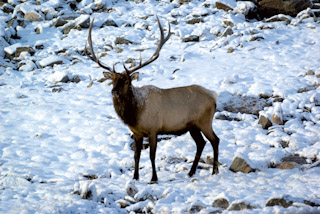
x=153, y=182
x=215, y=170
x=190, y=174
x=136, y=177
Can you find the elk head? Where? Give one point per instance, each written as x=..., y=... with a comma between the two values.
x=122, y=81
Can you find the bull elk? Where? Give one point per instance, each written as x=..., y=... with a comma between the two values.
x=149, y=111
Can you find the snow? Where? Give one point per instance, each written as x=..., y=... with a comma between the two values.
x=68, y=152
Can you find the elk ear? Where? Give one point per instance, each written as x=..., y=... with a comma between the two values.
x=107, y=75
x=135, y=76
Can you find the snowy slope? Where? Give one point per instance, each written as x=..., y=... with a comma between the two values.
x=63, y=149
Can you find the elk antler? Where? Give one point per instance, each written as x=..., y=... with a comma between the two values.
x=156, y=53
x=93, y=57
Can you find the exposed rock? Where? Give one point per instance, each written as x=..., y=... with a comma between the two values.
x=306, y=89
x=28, y=49
x=230, y=50
x=287, y=165
x=284, y=144
x=50, y=61
x=123, y=203
x=247, y=8
x=240, y=165
x=131, y=188
x=228, y=22
x=256, y=38
x=279, y=18
x=195, y=208
x=123, y=41
x=264, y=121
x=311, y=203
x=228, y=31
x=241, y=104
x=83, y=21
x=295, y=158
x=144, y=195
x=310, y=73
x=59, y=22
x=75, y=79
x=277, y=115
x=315, y=98
x=222, y=6
x=268, y=8
x=68, y=27
x=16, y=49
x=282, y=201
x=7, y=8
x=109, y=22
x=33, y=16
x=192, y=38
x=221, y=203
x=194, y=21
x=241, y=206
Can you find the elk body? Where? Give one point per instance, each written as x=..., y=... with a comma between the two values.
x=149, y=111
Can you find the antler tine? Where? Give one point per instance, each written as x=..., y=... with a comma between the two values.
x=156, y=53
x=93, y=57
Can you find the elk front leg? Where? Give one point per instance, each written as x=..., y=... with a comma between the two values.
x=137, y=152
x=200, y=142
x=153, y=148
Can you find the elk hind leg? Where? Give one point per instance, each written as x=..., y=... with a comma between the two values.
x=200, y=142
x=153, y=148
x=214, y=140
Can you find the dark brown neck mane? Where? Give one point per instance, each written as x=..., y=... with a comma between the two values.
x=126, y=107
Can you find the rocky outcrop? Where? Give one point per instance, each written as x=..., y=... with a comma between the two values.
x=268, y=8
x=239, y=164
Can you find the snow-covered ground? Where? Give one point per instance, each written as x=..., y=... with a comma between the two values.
x=63, y=149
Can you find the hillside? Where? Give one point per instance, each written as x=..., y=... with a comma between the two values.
x=63, y=149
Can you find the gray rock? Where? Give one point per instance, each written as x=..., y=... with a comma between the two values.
x=264, y=122
x=68, y=27
x=194, y=21
x=240, y=165
x=131, y=188
x=33, y=16
x=268, y=8
x=230, y=50
x=7, y=8
x=295, y=158
x=222, y=6
x=228, y=22
x=59, y=22
x=315, y=98
x=123, y=203
x=228, y=31
x=110, y=22
x=221, y=203
x=287, y=165
x=241, y=206
x=28, y=49
x=75, y=79
x=279, y=18
x=282, y=201
x=241, y=104
x=84, y=23
x=192, y=38
x=123, y=41
x=195, y=208
x=310, y=72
